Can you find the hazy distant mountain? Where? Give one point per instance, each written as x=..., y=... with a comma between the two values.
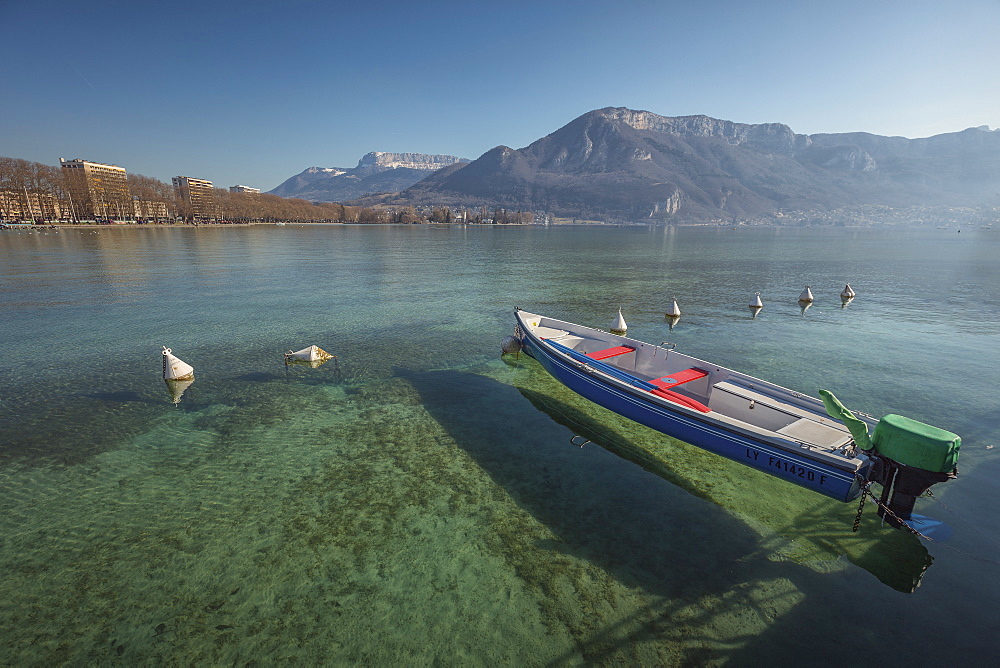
x=620, y=163
x=377, y=172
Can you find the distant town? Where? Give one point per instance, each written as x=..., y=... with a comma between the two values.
x=84, y=192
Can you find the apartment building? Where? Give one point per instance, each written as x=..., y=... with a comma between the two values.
x=244, y=189
x=197, y=194
x=97, y=191
x=16, y=205
x=149, y=210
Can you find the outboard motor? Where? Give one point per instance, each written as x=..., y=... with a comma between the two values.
x=909, y=457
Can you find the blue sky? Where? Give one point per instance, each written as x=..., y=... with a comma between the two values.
x=253, y=92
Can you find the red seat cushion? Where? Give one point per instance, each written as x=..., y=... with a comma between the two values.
x=610, y=352
x=678, y=378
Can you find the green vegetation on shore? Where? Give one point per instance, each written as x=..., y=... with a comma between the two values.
x=38, y=193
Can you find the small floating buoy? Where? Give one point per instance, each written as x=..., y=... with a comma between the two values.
x=310, y=354
x=848, y=292
x=806, y=296
x=673, y=311
x=756, y=302
x=618, y=326
x=673, y=320
x=174, y=368
x=510, y=345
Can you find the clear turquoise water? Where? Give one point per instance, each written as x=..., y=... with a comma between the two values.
x=417, y=499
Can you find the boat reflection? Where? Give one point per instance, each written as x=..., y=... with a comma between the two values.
x=819, y=527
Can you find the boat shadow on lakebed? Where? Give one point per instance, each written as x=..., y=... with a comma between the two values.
x=684, y=538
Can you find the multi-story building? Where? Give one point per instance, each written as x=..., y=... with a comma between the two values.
x=23, y=205
x=244, y=189
x=97, y=191
x=197, y=194
x=149, y=210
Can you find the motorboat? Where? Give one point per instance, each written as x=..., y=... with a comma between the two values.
x=813, y=442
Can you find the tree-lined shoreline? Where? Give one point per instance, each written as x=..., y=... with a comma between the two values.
x=33, y=192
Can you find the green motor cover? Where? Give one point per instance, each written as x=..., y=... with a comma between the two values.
x=916, y=444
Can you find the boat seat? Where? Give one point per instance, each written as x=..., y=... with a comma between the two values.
x=679, y=378
x=813, y=432
x=549, y=332
x=615, y=372
x=610, y=352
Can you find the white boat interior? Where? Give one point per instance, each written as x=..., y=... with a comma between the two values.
x=746, y=404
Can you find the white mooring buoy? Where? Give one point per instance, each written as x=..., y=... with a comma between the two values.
x=174, y=368
x=756, y=302
x=618, y=326
x=806, y=296
x=848, y=292
x=310, y=354
x=673, y=311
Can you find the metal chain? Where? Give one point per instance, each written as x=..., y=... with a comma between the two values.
x=866, y=489
x=857, y=518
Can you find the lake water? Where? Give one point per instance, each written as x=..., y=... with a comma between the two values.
x=417, y=500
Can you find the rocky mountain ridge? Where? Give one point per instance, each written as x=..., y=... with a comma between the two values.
x=375, y=172
x=381, y=161
x=618, y=163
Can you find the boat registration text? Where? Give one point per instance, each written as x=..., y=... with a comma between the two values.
x=791, y=468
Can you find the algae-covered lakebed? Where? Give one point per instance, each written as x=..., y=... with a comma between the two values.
x=418, y=500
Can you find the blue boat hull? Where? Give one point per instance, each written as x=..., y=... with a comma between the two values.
x=811, y=474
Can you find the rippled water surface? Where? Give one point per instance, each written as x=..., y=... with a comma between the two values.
x=417, y=499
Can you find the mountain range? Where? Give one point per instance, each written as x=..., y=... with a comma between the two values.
x=377, y=172
x=621, y=164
